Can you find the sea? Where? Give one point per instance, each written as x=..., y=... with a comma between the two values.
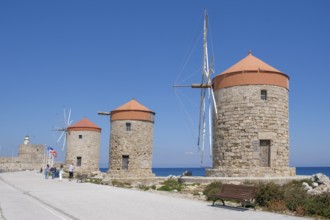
x=201, y=171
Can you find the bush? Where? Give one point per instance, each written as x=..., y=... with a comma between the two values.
x=144, y=187
x=276, y=206
x=294, y=195
x=212, y=189
x=121, y=184
x=267, y=193
x=318, y=205
x=170, y=185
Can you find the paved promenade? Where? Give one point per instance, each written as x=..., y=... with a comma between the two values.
x=27, y=195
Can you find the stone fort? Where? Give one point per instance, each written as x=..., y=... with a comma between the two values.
x=30, y=157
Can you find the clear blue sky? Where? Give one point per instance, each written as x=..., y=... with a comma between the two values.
x=96, y=55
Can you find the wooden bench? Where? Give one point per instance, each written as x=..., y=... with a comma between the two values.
x=81, y=178
x=241, y=193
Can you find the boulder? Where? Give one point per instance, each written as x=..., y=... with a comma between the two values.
x=186, y=173
x=306, y=186
x=315, y=184
x=321, y=179
x=321, y=184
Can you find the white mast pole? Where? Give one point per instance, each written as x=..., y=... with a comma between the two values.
x=205, y=76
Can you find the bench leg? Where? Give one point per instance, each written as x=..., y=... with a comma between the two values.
x=223, y=202
x=214, y=200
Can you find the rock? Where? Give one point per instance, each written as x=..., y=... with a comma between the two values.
x=171, y=177
x=311, y=192
x=315, y=184
x=322, y=179
x=306, y=186
x=321, y=184
x=186, y=173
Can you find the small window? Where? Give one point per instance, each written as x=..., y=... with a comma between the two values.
x=263, y=95
x=128, y=126
x=80, y=136
x=78, y=161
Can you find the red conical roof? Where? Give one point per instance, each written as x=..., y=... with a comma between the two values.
x=250, y=63
x=132, y=110
x=131, y=106
x=250, y=71
x=84, y=125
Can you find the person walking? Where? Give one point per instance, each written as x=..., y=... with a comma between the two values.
x=47, y=171
x=71, y=168
x=61, y=172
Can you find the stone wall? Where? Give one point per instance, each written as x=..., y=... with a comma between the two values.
x=30, y=157
x=243, y=120
x=136, y=144
x=87, y=147
x=8, y=164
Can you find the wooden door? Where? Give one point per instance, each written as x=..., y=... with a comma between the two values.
x=125, y=162
x=265, y=153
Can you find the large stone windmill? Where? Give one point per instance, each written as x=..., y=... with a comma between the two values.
x=131, y=139
x=251, y=132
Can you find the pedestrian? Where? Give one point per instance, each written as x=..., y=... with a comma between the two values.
x=71, y=168
x=53, y=171
x=61, y=172
x=47, y=171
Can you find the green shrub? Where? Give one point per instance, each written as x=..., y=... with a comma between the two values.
x=276, y=206
x=318, y=205
x=165, y=188
x=294, y=195
x=170, y=185
x=212, y=189
x=267, y=193
x=144, y=187
x=121, y=184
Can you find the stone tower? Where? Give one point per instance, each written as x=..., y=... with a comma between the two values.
x=31, y=156
x=131, y=139
x=83, y=146
x=251, y=134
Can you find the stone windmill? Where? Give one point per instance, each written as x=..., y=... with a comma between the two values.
x=249, y=127
x=83, y=146
x=131, y=139
x=251, y=134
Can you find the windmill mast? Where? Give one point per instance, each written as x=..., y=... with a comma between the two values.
x=205, y=101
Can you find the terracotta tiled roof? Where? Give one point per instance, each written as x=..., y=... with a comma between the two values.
x=250, y=71
x=250, y=63
x=84, y=124
x=132, y=110
x=132, y=105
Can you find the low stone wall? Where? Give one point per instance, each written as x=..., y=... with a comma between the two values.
x=241, y=180
x=9, y=164
x=246, y=172
x=137, y=174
